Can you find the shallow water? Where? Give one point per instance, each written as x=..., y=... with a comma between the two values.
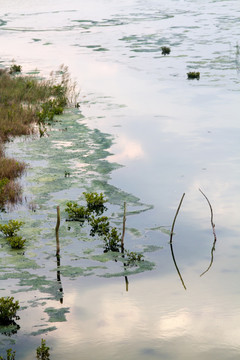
x=144, y=135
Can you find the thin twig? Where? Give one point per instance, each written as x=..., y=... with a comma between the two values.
x=171, y=235
x=214, y=233
x=171, y=246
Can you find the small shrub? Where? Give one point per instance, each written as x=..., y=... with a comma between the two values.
x=16, y=242
x=10, y=355
x=100, y=226
x=112, y=241
x=11, y=228
x=95, y=202
x=165, y=50
x=8, y=309
x=42, y=352
x=133, y=258
x=76, y=212
x=193, y=75
x=15, y=69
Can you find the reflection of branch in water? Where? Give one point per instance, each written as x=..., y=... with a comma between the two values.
x=171, y=236
x=126, y=282
x=59, y=278
x=214, y=233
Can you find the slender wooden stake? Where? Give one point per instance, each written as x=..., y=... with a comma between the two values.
x=124, y=225
x=56, y=230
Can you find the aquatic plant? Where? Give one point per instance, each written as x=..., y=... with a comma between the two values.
x=16, y=242
x=10, y=355
x=95, y=202
x=76, y=212
x=8, y=309
x=11, y=228
x=42, y=352
x=132, y=258
x=15, y=69
x=112, y=241
x=165, y=50
x=99, y=226
x=193, y=75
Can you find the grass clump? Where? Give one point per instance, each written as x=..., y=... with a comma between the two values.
x=24, y=102
x=193, y=75
x=8, y=310
x=165, y=50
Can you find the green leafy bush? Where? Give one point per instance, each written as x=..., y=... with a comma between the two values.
x=10, y=355
x=132, y=258
x=95, y=202
x=99, y=226
x=8, y=309
x=16, y=242
x=76, y=212
x=42, y=352
x=11, y=228
x=112, y=240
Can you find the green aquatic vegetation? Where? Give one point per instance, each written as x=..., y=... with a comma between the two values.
x=133, y=258
x=193, y=75
x=95, y=202
x=10, y=355
x=99, y=226
x=11, y=229
x=165, y=50
x=8, y=309
x=16, y=242
x=14, y=69
x=42, y=352
x=112, y=241
x=76, y=212
x=57, y=315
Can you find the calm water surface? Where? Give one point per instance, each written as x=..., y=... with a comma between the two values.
x=144, y=135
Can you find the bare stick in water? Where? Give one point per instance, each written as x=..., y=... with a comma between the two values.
x=171, y=246
x=124, y=225
x=57, y=232
x=214, y=233
x=171, y=235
